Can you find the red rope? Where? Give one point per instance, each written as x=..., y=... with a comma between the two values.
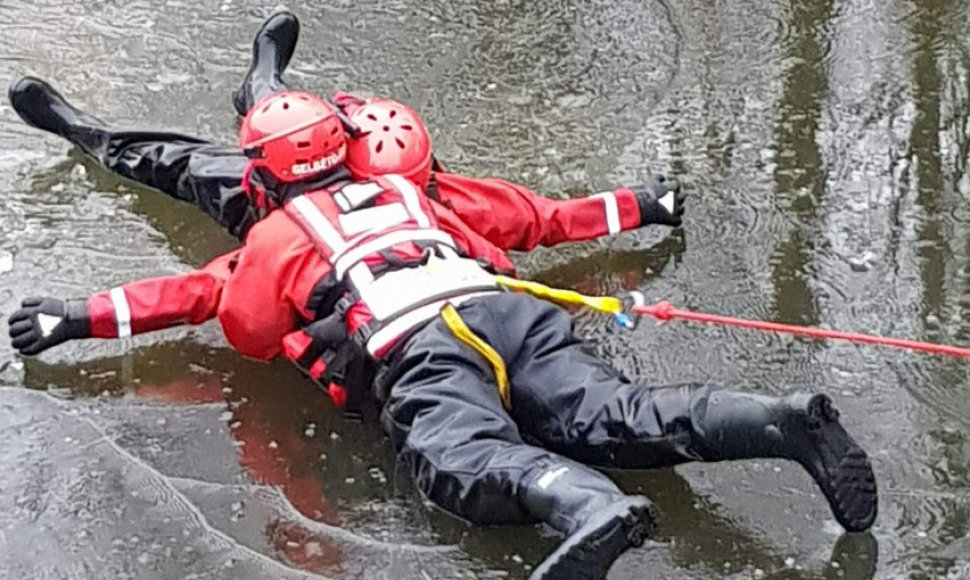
x=665, y=311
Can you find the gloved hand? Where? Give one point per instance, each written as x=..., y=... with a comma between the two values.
x=661, y=201
x=45, y=322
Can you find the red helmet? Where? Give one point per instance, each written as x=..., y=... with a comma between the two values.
x=393, y=140
x=292, y=135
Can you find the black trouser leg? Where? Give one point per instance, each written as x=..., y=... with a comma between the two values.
x=569, y=401
x=447, y=422
x=186, y=168
x=182, y=166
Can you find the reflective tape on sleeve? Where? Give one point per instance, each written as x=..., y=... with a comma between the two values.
x=122, y=311
x=612, y=211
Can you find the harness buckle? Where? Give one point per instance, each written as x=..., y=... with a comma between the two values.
x=363, y=334
x=345, y=302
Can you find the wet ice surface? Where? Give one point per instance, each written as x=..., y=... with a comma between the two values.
x=824, y=143
x=117, y=474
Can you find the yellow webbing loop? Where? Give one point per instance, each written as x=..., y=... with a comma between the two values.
x=465, y=334
x=608, y=304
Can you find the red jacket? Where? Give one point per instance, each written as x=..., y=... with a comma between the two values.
x=261, y=292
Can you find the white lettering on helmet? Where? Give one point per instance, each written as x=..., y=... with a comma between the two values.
x=321, y=164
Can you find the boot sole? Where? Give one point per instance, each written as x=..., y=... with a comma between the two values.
x=589, y=553
x=839, y=466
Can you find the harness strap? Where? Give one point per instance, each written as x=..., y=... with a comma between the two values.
x=606, y=304
x=461, y=331
x=355, y=195
x=344, y=261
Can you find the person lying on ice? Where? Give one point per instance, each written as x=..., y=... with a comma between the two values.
x=498, y=409
x=210, y=176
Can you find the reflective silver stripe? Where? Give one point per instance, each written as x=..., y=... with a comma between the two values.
x=379, y=217
x=410, y=199
x=362, y=251
x=612, y=211
x=396, y=328
x=320, y=224
x=122, y=312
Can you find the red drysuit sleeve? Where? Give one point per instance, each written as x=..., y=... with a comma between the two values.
x=515, y=218
x=158, y=303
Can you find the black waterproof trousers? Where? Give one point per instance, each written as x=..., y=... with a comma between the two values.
x=475, y=459
x=184, y=167
x=189, y=168
x=570, y=409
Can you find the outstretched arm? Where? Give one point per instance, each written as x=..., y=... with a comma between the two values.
x=515, y=218
x=134, y=308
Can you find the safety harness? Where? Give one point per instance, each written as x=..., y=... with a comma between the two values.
x=384, y=294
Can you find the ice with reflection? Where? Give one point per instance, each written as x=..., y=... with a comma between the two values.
x=824, y=143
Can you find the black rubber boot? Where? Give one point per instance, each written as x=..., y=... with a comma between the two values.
x=40, y=106
x=802, y=427
x=599, y=522
x=272, y=50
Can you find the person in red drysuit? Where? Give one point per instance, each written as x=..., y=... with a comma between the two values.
x=487, y=395
x=210, y=176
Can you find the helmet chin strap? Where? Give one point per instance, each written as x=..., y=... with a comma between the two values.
x=254, y=192
x=284, y=192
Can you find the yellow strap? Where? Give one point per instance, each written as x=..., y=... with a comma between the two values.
x=465, y=334
x=608, y=304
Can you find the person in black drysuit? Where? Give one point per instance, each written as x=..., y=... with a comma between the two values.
x=564, y=399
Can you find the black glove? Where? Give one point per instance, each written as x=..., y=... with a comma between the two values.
x=45, y=322
x=661, y=201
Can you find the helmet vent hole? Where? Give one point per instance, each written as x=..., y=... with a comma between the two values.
x=380, y=147
x=407, y=127
x=371, y=116
x=392, y=114
x=333, y=131
x=386, y=128
x=303, y=145
x=286, y=106
x=399, y=143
